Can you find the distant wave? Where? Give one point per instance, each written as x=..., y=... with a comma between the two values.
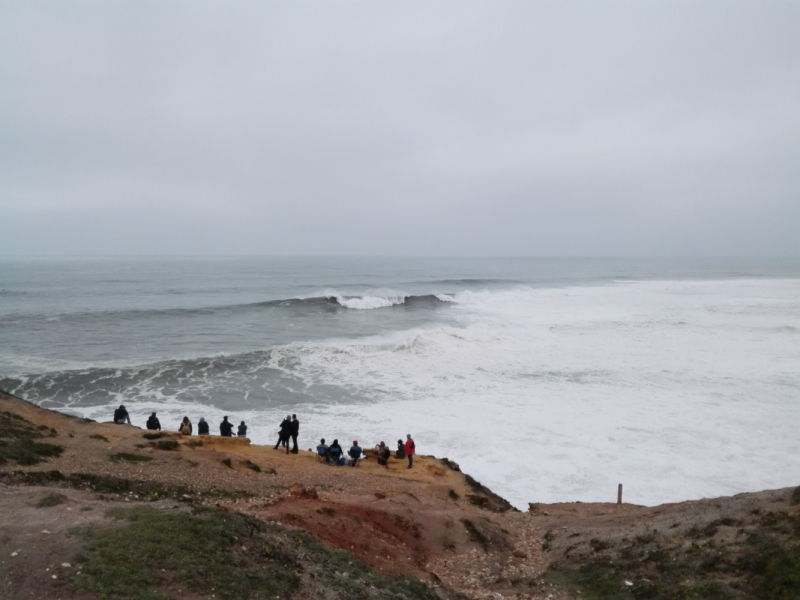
x=329, y=302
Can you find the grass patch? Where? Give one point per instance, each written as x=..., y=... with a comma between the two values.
x=475, y=485
x=51, y=499
x=97, y=436
x=230, y=555
x=253, y=466
x=18, y=441
x=128, y=457
x=761, y=562
x=102, y=484
x=453, y=495
x=474, y=533
x=167, y=445
x=153, y=436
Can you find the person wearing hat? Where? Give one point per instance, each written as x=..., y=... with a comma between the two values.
x=121, y=415
x=355, y=453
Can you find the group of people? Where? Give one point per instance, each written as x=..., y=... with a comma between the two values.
x=334, y=455
x=121, y=417
x=289, y=429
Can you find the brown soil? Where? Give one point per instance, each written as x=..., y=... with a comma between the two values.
x=400, y=521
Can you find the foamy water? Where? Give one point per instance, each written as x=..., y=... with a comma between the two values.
x=677, y=389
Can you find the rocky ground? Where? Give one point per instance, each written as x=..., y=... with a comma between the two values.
x=74, y=494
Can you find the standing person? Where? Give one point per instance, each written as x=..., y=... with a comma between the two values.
x=401, y=450
x=153, y=422
x=186, y=426
x=283, y=433
x=295, y=430
x=226, y=428
x=410, y=449
x=242, y=430
x=202, y=426
x=121, y=415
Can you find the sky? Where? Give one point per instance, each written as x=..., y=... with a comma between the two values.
x=460, y=128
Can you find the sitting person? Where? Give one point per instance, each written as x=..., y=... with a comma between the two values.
x=226, y=428
x=335, y=452
x=153, y=422
x=185, y=427
x=322, y=449
x=401, y=450
x=383, y=455
x=202, y=426
x=242, y=431
x=121, y=416
x=355, y=453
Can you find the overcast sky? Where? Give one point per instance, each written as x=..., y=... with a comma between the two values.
x=400, y=128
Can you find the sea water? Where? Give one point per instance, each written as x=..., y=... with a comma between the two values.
x=546, y=379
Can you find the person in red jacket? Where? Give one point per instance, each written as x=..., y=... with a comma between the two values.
x=410, y=449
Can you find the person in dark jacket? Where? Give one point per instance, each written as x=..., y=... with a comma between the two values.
x=153, y=422
x=355, y=453
x=202, y=426
x=226, y=428
x=121, y=416
x=294, y=431
x=242, y=432
x=283, y=434
x=335, y=452
x=401, y=450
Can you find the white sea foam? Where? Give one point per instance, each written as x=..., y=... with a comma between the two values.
x=678, y=390
x=376, y=299
x=675, y=389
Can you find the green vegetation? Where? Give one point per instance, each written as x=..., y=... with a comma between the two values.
x=473, y=484
x=167, y=445
x=761, y=561
x=102, y=484
x=51, y=499
x=126, y=456
x=253, y=466
x=97, y=436
x=453, y=495
x=154, y=436
x=17, y=443
x=230, y=555
x=474, y=534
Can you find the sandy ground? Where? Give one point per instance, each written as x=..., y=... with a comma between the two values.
x=399, y=520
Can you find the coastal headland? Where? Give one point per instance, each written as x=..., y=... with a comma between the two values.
x=98, y=510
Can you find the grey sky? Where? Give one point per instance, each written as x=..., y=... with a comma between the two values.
x=493, y=128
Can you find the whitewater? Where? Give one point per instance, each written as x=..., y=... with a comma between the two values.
x=676, y=388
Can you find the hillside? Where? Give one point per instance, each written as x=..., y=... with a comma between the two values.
x=206, y=517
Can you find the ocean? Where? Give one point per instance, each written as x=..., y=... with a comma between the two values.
x=548, y=380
